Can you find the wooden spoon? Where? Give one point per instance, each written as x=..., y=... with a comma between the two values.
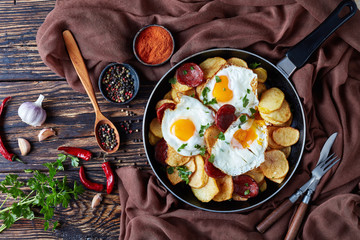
x=79, y=65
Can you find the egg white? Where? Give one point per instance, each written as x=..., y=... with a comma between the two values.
x=235, y=161
x=192, y=109
x=240, y=79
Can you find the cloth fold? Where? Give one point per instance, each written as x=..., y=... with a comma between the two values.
x=328, y=85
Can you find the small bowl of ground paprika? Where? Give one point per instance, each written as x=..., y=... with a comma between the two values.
x=119, y=83
x=153, y=45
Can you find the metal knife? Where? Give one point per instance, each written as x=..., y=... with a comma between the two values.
x=285, y=206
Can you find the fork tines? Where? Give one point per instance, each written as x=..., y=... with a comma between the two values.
x=329, y=162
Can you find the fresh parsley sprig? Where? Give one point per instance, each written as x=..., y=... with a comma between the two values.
x=46, y=192
x=204, y=93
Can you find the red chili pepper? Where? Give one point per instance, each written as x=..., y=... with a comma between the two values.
x=110, y=178
x=78, y=152
x=9, y=156
x=88, y=184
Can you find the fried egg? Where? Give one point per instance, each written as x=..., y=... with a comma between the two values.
x=242, y=148
x=232, y=85
x=183, y=127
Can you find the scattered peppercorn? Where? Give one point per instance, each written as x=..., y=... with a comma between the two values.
x=107, y=136
x=118, y=84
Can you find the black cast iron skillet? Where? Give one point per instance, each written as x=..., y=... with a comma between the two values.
x=277, y=77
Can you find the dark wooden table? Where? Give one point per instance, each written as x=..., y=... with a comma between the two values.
x=24, y=76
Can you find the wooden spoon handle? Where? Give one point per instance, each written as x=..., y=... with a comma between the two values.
x=79, y=65
x=296, y=222
x=274, y=216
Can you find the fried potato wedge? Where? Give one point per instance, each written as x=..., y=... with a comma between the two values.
x=180, y=87
x=261, y=73
x=174, y=175
x=153, y=139
x=271, y=100
x=199, y=178
x=279, y=116
x=210, y=137
x=276, y=165
x=277, y=180
x=211, y=66
x=261, y=87
x=162, y=101
x=263, y=186
x=271, y=142
x=285, y=124
x=168, y=95
x=237, y=197
x=256, y=174
x=176, y=96
x=287, y=151
x=226, y=188
x=155, y=128
x=207, y=192
x=174, y=159
x=286, y=136
x=237, y=62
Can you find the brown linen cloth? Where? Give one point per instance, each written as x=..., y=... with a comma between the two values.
x=329, y=87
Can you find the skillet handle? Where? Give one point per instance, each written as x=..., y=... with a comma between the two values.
x=300, y=53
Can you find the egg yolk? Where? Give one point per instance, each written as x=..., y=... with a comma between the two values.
x=183, y=129
x=246, y=137
x=221, y=90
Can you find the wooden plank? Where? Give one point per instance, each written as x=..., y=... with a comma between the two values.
x=19, y=58
x=72, y=116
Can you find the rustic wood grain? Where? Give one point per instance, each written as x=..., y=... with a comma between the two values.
x=24, y=76
x=19, y=58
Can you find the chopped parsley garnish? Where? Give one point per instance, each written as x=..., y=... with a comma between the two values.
x=227, y=143
x=243, y=118
x=224, y=89
x=192, y=95
x=172, y=80
x=254, y=65
x=206, y=101
x=205, y=91
x=184, y=173
x=248, y=91
x=192, y=68
x=203, y=128
x=253, y=111
x=184, y=72
x=217, y=78
x=182, y=147
x=170, y=170
x=202, y=149
x=245, y=101
x=247, y=191
x=187, y=108
x=221, y=136
x=246, y=184
x=211, y=158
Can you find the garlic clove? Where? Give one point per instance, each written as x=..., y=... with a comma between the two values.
x=32, y=113
x=96, y=200
x=46, y=133
x=24, y=146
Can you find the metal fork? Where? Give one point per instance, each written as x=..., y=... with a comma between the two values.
x=317, y=173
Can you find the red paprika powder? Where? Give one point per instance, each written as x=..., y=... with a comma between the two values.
x=154, y=45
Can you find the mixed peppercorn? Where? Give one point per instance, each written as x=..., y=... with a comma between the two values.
x=107, y=136
x=117, y=84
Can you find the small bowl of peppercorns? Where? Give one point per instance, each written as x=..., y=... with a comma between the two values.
x=119, y=83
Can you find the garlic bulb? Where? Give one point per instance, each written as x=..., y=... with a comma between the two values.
x=32, y=113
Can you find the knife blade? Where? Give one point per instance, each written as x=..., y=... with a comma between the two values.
x=326, y=148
